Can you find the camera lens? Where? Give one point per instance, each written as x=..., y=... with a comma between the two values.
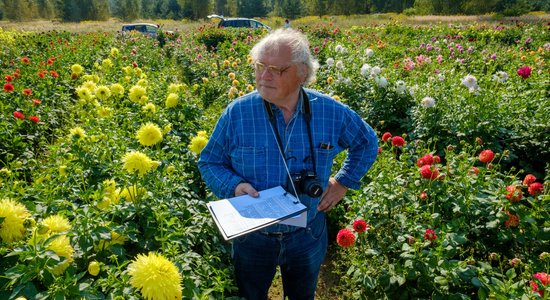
x=313, y=188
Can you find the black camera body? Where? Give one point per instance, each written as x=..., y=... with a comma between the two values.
x=306, y=182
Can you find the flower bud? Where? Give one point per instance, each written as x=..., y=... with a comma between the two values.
x=515, y=262
x=94, y=268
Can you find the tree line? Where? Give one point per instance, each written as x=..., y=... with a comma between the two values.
x=127, y=10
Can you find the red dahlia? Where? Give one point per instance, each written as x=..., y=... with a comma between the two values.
x=429, y=172
x=430, y=235
x=529, y=178
x=34, y=119
x=18, y=115
x=524, y=72
x=486, y=156
x=8, y=87
x=543, y=277
x=427, y=159
x=360, y=226
x=386, y=137
x=345, y=238
x=535, y=188
x=513, y=221
x=514, y=193
x=397, y=141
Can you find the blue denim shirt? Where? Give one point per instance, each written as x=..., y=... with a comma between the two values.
x=243, y=147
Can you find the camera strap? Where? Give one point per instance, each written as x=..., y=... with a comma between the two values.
x=307, y=117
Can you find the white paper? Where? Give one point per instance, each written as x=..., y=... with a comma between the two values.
x=243, y=214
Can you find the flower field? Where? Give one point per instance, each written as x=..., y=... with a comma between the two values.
x=101, y=198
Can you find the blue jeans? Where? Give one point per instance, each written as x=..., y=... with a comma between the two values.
x=299, y=255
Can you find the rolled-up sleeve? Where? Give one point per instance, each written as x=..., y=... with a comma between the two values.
x=215, y=163
x=362, y=144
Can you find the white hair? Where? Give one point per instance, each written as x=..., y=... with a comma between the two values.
x=299, y=48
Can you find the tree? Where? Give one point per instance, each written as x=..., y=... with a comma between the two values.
x=475, y=7
x=70, y=11
x=291, y=9
x=251, y=8
x=423, y=7
x=47, y=9
x=317, y=7
x=221, y=7
x=20, y=10
x=127, y=10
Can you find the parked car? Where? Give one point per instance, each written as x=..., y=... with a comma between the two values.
x=145, y=28
x=239, y=22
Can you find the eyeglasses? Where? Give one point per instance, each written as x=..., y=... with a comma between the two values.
x=272, y=70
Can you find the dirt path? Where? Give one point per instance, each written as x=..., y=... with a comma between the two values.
x=326, y=287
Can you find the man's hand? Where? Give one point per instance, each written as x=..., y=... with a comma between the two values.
x=246, y=188
x=334, y=193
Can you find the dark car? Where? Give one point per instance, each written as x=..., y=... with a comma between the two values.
x=239, y=22
x=144, y=28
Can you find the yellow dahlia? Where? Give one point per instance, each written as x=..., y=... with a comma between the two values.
x=92, y=78
x=155, y=277
x=149, y=108
x=114, y=52
x=233, y=92
x=77, y=133
x=90, y=85
x=231, y=76
x=62, y=247
x=143, y=82
x=77, y=69
x=84, y=93
x=175, y=87
x=12, y=226
x=172, y=100
x=107, y=63
x=135, y=161
x=197, y=144
x=56, y=224
x=109, y=186
x=202, y=133
x=104, y=112
x=137, y=93
x=103, y=92
x=117, y=90
x=149, y=134
x=249, y=88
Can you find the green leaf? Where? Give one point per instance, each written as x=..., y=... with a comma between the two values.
x=511, y=273
x=441, y=280
x=476, y=282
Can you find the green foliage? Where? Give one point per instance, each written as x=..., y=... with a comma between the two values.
x=387, y=73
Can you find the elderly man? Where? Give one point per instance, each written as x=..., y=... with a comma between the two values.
x=283, y=134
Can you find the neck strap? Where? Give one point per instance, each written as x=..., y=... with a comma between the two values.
x=307, y=117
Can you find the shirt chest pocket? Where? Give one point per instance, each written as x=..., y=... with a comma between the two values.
x=250, y=163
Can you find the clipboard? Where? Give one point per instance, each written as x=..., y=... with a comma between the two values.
x=244, y=214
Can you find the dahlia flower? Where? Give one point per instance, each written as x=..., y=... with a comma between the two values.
x=12, y=227
x=155, y=277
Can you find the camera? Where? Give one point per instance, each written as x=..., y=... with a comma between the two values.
x=306, y=182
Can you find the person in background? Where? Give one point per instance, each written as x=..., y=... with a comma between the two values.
x=287, y=23
x=283, y=134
